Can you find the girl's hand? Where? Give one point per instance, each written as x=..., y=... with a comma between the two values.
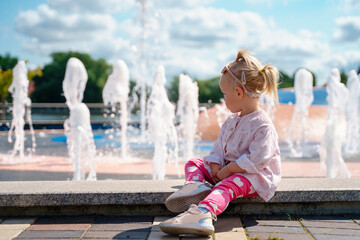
x=224, y=173
x=229, y=169
x=215, y=168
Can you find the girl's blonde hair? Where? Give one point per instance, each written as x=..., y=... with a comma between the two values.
x=259, y=79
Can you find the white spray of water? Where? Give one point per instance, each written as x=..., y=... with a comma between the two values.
x=352, y=144
x=304, y=97
x=80, y=139
x=19, y=89
x=221, y=112
x=161, y=128
x=188, y=113
x=116, y=90
x=267, y=102
x=333, y=138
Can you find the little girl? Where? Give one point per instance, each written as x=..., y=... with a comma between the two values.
x=245, y=159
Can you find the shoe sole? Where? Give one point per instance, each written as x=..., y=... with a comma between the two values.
x=182, y=203
x=175, y=229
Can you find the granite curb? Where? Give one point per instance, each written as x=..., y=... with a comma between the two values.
x=294, y=195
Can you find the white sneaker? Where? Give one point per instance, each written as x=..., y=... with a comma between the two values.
x=193, y=221
x=190, y=193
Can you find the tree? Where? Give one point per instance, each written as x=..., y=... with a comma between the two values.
x=7, y=63
x=48, y=87
x=285, y=80
x=343, y=77
x=5, y=82
x=209, y=90
x=173, y=90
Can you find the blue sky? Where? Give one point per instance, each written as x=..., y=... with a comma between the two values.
x=195, y=36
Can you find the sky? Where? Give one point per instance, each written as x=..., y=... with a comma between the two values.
x=197, y=37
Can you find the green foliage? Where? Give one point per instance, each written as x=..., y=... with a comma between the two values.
x=343, y=77
x=209, y=90
x=7, y=62
x=173, y=90
x=48, y=87
x=285, y=80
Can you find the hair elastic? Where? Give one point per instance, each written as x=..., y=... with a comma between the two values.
x=262, y=71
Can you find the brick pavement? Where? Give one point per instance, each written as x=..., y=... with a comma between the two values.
x=145, y=227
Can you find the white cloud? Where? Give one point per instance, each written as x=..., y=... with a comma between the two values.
x=349, y=5
x=195, y=39
x=90, y=6
x=348, y=29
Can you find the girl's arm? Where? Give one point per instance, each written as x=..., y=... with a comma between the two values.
x=229, y=169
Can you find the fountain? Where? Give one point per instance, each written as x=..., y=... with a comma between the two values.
x=352, y=145
x=116, y=90
x=161, y=128
x=80, y=140
x=19, y=89
x=333, y=138
x=304, y=97
x=188, y=113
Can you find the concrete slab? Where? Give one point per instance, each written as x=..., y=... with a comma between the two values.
x=265, y=229
x=229, y=228
x=116, y=234
x=58, y=227
x=156, y=235
x=294, y=196
x=335, y=237
x=284, y=236
x=335, y=231
x=65, y=220
x=16, y=223
x=50, y=234
x=140, y=227
x=156, y=232
x=6, y=234
x=343, y=225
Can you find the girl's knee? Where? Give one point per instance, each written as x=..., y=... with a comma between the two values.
x=192, y=162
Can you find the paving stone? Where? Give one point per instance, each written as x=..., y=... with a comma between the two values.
x=50, y=234
x=65, y=220
x=270, y=221
x=229, y=228
x=116, y=234
x=16, y=223
x=123, y=219
x=285, y=236
x=335, y=237
x=139, y=226
x=263, y=229
x=346, y=225
x=58, y=227
x=334, y=231
x=156, y=235
x=6, y=234
x=326, y=218
x=356, y=218
x=157, y=221
x=194, y=237
x=279, y=223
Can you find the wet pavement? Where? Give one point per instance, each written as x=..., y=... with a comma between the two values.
x=145, y=227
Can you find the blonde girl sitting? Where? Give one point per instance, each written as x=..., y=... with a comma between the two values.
x=245, y=159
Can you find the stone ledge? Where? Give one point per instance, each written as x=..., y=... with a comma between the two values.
x=295, y=195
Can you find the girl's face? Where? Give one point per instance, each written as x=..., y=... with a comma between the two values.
x=232, y=95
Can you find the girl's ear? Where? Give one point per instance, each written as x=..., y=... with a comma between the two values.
x=240, y=92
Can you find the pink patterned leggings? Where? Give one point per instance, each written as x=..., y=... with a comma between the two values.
x=223, y=192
